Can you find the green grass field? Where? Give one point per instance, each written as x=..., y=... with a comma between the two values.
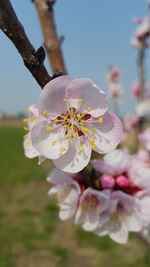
x=30, y=231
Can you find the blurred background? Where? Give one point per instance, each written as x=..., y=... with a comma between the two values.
x=96, y=34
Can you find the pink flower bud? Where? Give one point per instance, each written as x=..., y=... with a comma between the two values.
x=107, y=181
x=122, y=181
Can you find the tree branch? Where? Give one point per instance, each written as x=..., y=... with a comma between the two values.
x=52, y=42
x=33, y=60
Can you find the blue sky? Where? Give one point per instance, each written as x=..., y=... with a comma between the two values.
x=97, y=34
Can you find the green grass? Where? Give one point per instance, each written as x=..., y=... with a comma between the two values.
x=31, y=233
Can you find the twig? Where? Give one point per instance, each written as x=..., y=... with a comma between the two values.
x=33, y=60
x=52, y=42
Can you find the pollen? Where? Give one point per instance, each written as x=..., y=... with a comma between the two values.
x=66, y=137
x=49, y=128
x=83, y=113
x=25, y=136
x=66, y=100
x=93, y=146
x=25, y=120
x=85, y=130
x=71, y=107
x=56, y=121
x=89, y=109
x=81, y=148
x=45, y=113
x=78, y=116
x=92, y=141
x=28, y=143
x=93, y=130
x=80, y=100
x=33, y=119
x=26, y=128
x=63, y=149
x=66, y=127
x=73, y=116
x=53, y=143
x=100, y=120
x=73, y=135
x=68, y=120
x=71, y=127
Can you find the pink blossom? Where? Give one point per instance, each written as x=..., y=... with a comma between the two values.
x=130, y=121
x=92, y=204
x=142, y=32
x=74, y=120
x=136, y=90
x=139, y=172
x=115, y=162
x=113, y=75
x=143, y=107
x=66, y=191
x=145, y=138
x=122, y=216
x=144, y=200
x=30, y=151
x=113, y=79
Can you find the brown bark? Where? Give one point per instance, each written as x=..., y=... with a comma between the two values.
x=33, y=60
x=52, y=42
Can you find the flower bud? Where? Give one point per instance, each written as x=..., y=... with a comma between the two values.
x=107, y=181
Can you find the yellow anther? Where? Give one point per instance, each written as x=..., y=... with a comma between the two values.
x=53, y=143
x=81, y=148
x=49, y=128
x=93, y=130
x=85, y=130
x=71, y=107
x=68, y=120
x=56, y=121
x=92, y=141
x=100, y=120
x=93, y=146
x=80, y=100
x=25, y=120
x=78, y=116
x=28, y=143
x=73, y=116
x=89, y=109
x=66, y=137
x=63, y=149
x=26, y=128
x=83, y=113
x=45, y=113
x=66, y=127
x=73, y=135
x=82, y=122
x=25, y=136
x=71, y=127
x=66, y=100
x=33, y=118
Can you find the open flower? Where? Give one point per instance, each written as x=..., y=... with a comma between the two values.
x=74, y=120
x=66, y=191
x=122, y=216
x=145, y=138
x=30, y=151
x=115, y=162
x=92, y=204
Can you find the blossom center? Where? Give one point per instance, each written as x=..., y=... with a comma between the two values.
x=89, y=203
